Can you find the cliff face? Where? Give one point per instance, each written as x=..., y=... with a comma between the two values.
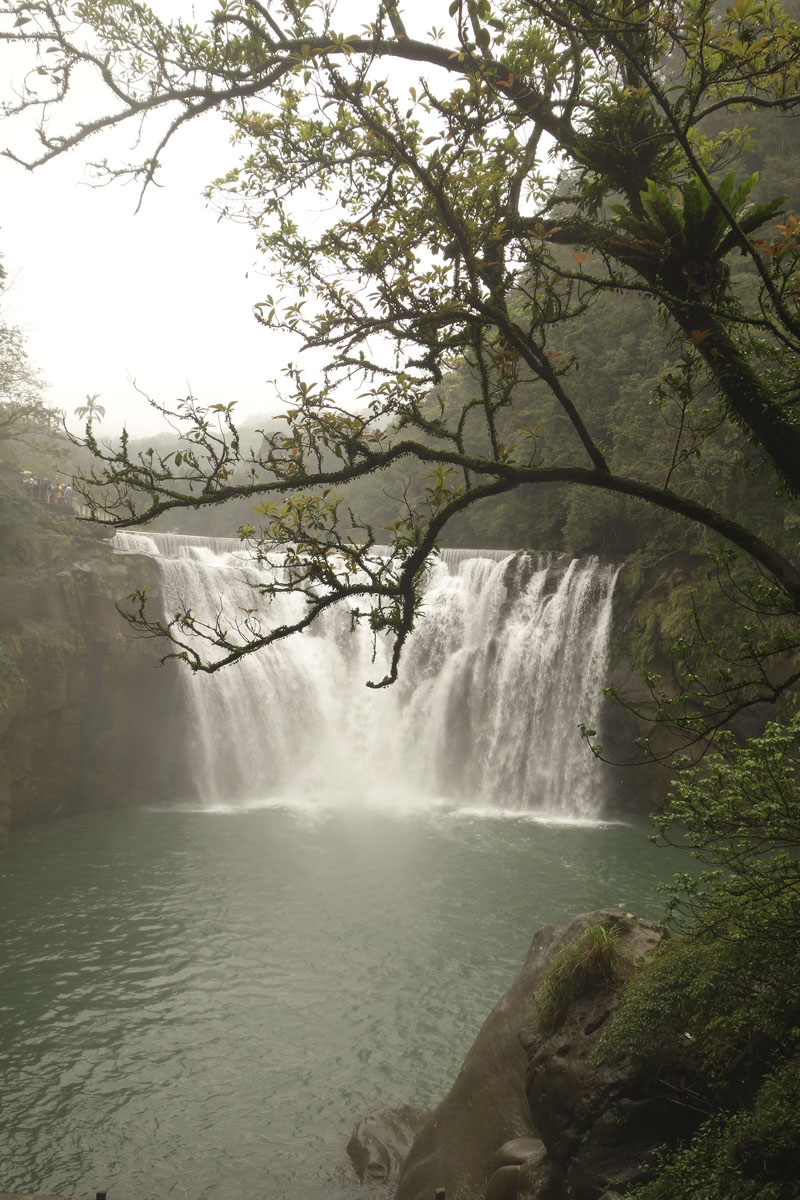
x=85, y=715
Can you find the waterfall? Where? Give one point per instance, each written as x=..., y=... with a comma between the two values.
x=508, y=658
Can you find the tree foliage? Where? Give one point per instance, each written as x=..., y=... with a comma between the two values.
x=90, y=409
x=750, y=1155
x=742, y=822
x=480, y=189
x=714, y=1021
x=24, y=416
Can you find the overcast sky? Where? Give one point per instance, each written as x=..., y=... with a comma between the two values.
x=106, y=295
x=163, y=296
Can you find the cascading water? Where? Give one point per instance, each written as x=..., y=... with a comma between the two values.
x=508, y=658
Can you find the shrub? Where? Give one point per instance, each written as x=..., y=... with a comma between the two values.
x=749, y=1155
x=739, y=813
x=713, y=1022
x=703, y=1015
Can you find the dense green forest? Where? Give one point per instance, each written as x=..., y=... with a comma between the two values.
x=561, y=279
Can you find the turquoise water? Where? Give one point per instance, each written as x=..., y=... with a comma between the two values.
x=203, y=1004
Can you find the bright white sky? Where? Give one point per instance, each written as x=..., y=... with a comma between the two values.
x=165, y=296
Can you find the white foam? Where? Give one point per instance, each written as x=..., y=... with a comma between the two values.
x=509, y=657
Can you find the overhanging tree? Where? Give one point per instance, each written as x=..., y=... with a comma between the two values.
x=484, y=185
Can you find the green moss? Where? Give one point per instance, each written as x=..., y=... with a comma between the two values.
x=654, y=604
x=40, y=642
x=124, y=655
x=581, y=967
x=42, y=655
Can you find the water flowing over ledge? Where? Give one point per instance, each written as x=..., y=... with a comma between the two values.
x=510, y=656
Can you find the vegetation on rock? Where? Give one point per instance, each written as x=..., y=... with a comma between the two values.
x=580, y=968
x=714, y=1020
x=751, y=1154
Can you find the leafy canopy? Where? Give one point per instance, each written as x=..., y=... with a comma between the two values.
x=457, y=197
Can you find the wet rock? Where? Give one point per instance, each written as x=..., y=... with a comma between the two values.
x=515, y=1163
x=559, y=1127
x=598, y=1123
x=519, y=1150
x=486, y=1106
x=540, y=1179
x=79, y=697
x=503, y=1184
x=380, y=1142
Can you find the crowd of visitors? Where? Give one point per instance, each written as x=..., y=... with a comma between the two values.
x=46, y=490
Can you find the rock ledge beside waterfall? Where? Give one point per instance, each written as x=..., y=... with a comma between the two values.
x=79, y=696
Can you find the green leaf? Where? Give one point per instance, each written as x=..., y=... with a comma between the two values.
x=752, y=219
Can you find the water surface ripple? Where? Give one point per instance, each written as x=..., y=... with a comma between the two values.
x=198, y=1004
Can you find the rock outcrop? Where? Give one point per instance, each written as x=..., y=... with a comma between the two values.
x=487, y=1105
x=530, y=1117
x=596, y=1123
x=86, y=719
x=381, y=1141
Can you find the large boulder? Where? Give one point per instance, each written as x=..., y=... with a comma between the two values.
x=598, y=1123
x=486, y=1105
x=529, y=1115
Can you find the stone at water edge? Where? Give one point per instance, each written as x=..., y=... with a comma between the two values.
x=518, y=1151
x=380, y=1142
x=487, y=1106
x=520, y=1165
